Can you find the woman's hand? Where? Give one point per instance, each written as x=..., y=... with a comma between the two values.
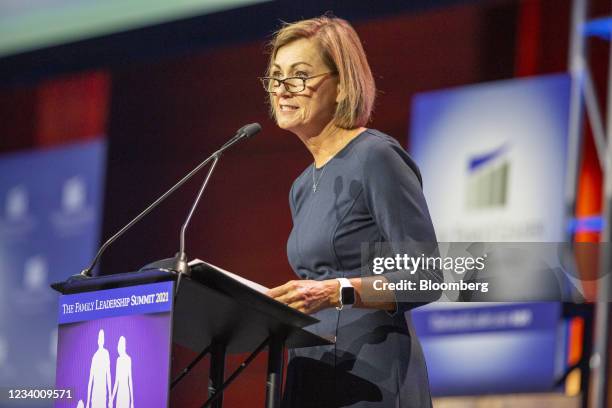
x=308, y=296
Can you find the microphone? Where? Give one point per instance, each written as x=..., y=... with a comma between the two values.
x=242, y=133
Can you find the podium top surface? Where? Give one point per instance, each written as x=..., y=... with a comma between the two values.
x=209, y=276
x=241, y=321
x=77, y=284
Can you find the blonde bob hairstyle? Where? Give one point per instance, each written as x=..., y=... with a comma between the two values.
x=342, y=52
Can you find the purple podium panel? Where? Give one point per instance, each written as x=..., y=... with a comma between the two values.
x=114, y=347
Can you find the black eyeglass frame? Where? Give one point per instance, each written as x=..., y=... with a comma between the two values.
x=283, y=83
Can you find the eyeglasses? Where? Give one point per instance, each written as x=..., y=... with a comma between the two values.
x=292, y=84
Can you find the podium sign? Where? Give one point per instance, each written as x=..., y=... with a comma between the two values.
x=114, y=345
x=115, y=335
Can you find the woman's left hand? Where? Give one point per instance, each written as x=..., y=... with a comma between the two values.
x=307, y=296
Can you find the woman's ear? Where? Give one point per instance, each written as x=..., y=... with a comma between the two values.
x=341, y=95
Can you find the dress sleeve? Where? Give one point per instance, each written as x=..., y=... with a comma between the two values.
x=395, y=200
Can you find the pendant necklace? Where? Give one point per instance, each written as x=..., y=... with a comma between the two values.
x=315, y=181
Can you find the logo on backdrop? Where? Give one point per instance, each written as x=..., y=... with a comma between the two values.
x=16, y=221
x=73, y=195
x=35, y=274
x=33, y=297
x=74, y=215
x=16, y=203
x=487, y=181
x=487, y=194
x=508, y=173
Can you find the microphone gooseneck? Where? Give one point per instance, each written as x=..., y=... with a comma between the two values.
x=243, y=133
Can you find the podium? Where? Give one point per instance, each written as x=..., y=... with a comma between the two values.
x=144, y=312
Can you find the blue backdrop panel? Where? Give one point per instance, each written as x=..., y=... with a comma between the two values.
x=50, y=213
x=493, y=159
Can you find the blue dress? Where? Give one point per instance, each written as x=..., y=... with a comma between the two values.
x=369, y=192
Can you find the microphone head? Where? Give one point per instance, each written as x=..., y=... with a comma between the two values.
x=250, y=130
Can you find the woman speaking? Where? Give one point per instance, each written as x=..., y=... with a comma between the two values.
x=362, y=188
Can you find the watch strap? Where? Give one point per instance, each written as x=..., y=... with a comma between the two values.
x=344, y=283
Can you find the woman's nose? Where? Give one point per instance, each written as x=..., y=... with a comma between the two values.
x=282, y=90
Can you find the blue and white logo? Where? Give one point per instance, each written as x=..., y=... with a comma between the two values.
x=33, y=297
x=487, y=181
x=507, y=181
x=75, y=214
x=74, y=195
x=35, y=274
x=16, y=205
x=16, y=221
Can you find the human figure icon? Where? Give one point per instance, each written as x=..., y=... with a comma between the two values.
x=99, y=385
x=123, y=389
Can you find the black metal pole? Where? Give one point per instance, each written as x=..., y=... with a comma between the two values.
x=217, y=372
x=275, y=372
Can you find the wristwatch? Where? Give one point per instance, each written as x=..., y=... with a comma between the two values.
x=347, y=293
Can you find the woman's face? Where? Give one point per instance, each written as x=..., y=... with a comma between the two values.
x=309, y=111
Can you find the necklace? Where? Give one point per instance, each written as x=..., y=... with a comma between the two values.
x=315, y=181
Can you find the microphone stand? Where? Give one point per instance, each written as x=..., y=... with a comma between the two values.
x=180, y=259
x=86, y=273
x=180, y=263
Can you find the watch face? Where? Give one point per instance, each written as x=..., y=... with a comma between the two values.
x=348, y=295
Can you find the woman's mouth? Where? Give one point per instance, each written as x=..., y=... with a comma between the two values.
x=288, y=108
